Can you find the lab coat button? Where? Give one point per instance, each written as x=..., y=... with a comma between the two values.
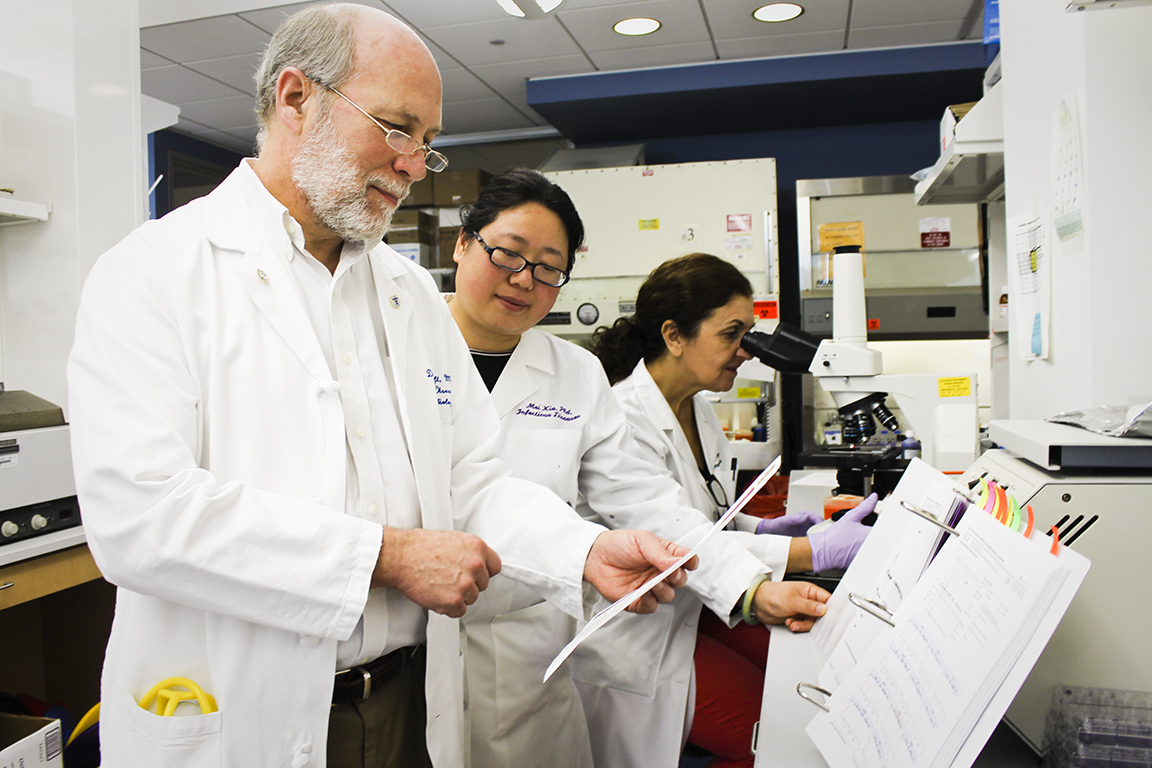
x=308, y=641
x=262, y=275
x=373, y=509
x=359, y=431
x=301, y=759
x=347, y=359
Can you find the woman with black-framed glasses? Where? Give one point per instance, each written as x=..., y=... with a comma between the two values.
x=560, y=426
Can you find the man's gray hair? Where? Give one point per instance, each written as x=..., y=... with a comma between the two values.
x=320, y=41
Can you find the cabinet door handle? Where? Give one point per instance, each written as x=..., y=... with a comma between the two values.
x=7, y=584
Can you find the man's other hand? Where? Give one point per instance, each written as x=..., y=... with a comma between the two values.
x=443, y=571
x=621, y=561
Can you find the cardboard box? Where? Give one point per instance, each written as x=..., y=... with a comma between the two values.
x=952, y=115
x=420, y=253
x=412, y=226
x=30, y=742
x=421, y=193
x=448, y=237
x=460, y=187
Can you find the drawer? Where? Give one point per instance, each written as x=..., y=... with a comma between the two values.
x=32, y=579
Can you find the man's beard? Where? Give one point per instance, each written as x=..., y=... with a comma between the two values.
x=325, y=171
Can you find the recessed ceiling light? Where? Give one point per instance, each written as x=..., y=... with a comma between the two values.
x=777, y=12
x=638, y=26
x=529, y=9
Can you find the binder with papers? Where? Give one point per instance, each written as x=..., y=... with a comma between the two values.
x=928, y=637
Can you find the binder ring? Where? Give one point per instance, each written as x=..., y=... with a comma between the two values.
x=927, y=516
x=871, y=606
x=800, y=690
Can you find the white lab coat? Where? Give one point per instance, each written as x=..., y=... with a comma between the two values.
x=209, y=451
x=560, y=425
x=635, y=678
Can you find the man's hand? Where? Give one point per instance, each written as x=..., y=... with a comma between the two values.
x=796, y=604
x=621, y=561
x=443, y=571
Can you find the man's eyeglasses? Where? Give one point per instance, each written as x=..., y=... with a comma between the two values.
x=398, y=140
x=514, y=262
x=716, y=490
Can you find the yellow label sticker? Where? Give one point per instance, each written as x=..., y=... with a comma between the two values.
x=954, y=386
x=649, y=224
x=747, y=393
x=837, y=233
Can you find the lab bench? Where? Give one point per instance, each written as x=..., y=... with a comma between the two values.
x=55, y=617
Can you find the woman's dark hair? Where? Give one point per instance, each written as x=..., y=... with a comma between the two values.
x=517, y=187
x=685, y=290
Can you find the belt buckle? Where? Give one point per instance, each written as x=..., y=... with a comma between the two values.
x=367, y=683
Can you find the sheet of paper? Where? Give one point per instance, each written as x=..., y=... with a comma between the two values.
x=915, y=695
x=606, y=615
x=1030, y=284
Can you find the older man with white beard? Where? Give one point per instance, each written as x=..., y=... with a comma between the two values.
x=284, y=453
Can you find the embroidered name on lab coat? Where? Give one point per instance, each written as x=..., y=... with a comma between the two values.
x=547, y=412
x=443, y=384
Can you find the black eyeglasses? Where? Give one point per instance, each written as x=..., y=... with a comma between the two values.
x=398, y=140
x=716, y=490
x=514, y=262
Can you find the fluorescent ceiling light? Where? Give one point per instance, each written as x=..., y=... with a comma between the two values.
x=777, y=12
x=529, y=9
x=638, y=26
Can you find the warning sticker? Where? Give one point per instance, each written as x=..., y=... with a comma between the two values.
x=739, y=222
x=837, y=233
x=936, y=232
x=765, y=310
x=954, y=386
x=649, y=224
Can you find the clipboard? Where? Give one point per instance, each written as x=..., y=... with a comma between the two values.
x=795, y=661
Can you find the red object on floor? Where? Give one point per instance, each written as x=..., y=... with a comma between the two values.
x=729, y=686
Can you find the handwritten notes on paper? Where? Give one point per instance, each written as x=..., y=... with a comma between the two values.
x=915, y=695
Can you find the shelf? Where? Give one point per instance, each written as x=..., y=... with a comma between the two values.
x=971, y=168
x=14, y=211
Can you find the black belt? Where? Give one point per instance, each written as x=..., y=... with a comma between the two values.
x=357, y=683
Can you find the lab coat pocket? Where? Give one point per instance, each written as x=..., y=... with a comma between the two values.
x=144, y=739
x=525, y=642
x=550, y=457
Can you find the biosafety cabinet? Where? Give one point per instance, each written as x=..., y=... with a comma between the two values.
x=636, y=218
x=924, y=266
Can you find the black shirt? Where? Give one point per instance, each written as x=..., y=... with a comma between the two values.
x=490, y=365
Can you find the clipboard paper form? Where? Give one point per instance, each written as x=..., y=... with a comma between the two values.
x=928, y=692
x=606, y=615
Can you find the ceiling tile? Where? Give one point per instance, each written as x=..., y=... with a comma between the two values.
x=462, y=85
x=444, y=61
x=180, y=85
x=481, y=116
x=732, y=19
x=469, y=43
x=509, y=79
x=658, y=56
x=269, y=19
x=781, y=45
x=149, y=60
x=201, y=39
x=904, y=34
x=680, y=22
x=236, y=71
x=422, y=13
x=892, y=13
x=220, y=113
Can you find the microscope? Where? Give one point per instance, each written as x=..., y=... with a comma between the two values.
x=941, y=408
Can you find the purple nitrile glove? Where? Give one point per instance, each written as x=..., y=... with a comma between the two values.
x=835, y=546
x=792, y=524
